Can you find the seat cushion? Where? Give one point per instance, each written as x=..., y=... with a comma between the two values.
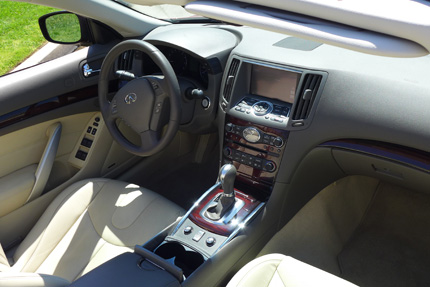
x=91, y=222
x=279, y=270
x=11, y=279
x=4, y=263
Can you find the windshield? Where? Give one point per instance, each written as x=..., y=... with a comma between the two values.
x=167, y=12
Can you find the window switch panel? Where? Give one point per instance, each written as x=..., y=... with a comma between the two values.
x=87, y=142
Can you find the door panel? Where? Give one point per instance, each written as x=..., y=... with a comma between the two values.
x=15, y=189
x=22, y=152
x=33, y=103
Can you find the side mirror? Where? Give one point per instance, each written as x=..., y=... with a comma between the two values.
x=63, y=28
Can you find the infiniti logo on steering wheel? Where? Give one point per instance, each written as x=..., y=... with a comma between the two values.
x=130, y=98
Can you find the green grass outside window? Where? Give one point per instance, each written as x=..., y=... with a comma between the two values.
x=20, y=35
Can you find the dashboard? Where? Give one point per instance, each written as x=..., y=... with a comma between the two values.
x=278, y=99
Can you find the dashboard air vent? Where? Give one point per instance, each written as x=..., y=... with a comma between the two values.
x=125, y=61
x=228, y=88
x=307, y=95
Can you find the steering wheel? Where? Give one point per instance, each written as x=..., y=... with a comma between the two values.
x=141, y=103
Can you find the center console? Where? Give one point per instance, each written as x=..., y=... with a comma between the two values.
x=258, y=100
x=174, y=254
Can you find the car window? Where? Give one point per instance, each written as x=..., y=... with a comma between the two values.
x=22, y=44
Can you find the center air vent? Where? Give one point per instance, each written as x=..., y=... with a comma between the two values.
x=307, y=95
x=229, y=81
x=125, y=60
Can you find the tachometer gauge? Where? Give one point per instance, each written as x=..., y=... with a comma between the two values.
x=178, y=60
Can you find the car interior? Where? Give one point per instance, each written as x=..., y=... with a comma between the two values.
x=242, y=143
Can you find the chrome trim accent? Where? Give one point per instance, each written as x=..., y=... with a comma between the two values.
x=223, y=171
x=215, y=186
x=230, y=194
x=227, y=217
x=251, y=131
x=241, y=225
x=87, y=71
x=130, y=98
x=262, y=113
x=209, y=103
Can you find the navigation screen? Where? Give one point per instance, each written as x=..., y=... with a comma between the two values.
x=274, y=83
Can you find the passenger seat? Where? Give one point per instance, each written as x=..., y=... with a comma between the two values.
x=279, y=270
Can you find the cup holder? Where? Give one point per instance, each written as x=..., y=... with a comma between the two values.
x=187, y=260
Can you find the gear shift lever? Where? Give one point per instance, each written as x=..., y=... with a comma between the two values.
x=226, y=176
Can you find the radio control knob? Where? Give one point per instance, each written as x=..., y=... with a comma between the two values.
x=278, y=142
x=269, y=166
x=229, y=127
x=227, y=151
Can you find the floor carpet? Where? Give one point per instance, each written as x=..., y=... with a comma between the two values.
x=392, y=245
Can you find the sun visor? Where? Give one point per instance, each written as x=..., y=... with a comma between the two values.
x=314, y=28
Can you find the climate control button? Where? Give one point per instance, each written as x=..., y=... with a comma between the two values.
x=278, y=142
x=269, y=166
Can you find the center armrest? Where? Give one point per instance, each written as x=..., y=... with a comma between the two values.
x=129, y=269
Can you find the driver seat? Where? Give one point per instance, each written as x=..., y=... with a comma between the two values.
x=87, y=224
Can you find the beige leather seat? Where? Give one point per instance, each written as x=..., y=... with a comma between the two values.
x=87, y=224
x=279, y=270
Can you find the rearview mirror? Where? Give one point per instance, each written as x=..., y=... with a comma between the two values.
x=61, y=27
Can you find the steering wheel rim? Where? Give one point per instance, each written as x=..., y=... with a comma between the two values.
x=163, y=89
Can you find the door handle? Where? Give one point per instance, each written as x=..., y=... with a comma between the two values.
x=47, y=161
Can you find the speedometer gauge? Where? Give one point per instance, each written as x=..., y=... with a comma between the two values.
x=178, y=60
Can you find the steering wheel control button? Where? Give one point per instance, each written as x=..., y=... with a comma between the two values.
x=210, y=241
x=154, y=85
x=251, y=134
x=188, y=230
x=157, y=108
x=114, y=107
x=198, y=236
